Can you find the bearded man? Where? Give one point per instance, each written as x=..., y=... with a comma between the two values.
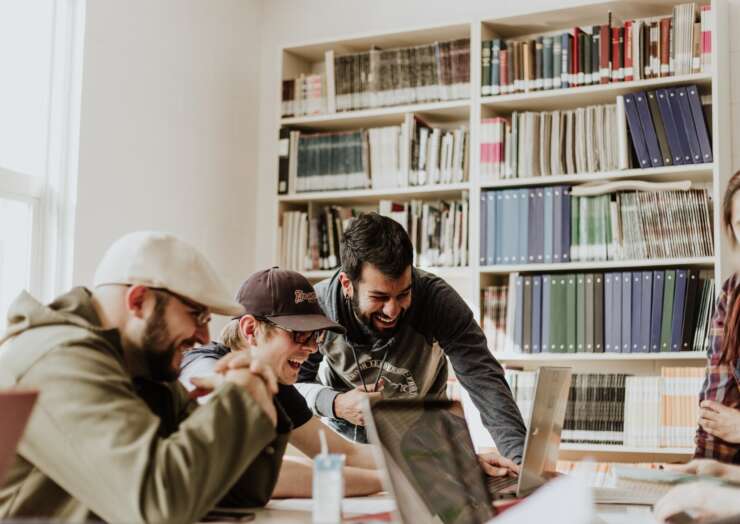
x=402, y=324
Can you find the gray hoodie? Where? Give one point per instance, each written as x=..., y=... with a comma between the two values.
x=437, y=324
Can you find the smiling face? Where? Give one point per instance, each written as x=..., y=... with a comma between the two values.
x=275, y=347
x=378, y=301
x=170, y=329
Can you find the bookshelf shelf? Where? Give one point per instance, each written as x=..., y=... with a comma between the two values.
x=360, y=196
x=596, y=357
x=573, y=97
x=704, y=262
x=694, y=172
x=449, y=111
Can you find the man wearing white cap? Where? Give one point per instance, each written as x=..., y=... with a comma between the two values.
x=114, y=436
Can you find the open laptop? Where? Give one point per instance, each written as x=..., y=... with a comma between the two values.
x=15, y=410
x=429, y=462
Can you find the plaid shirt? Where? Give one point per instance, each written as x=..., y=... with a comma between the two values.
x=720, y=384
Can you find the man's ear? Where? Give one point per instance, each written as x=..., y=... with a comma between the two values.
x=347, y=287
x=136, y=298
x=248, y=327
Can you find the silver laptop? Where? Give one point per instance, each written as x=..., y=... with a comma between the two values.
x=429, y=463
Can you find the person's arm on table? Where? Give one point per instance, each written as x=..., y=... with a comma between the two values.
x=702, y=500
x=107, y=453
x=360, y=474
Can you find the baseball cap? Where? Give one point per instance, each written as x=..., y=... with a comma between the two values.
x=286, y=299
x=161, y=260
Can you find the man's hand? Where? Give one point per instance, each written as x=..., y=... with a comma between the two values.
x=256, y=378
x=349, y=405
x=720, y=420
x=494, y=465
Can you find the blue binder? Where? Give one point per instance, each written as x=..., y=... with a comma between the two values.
x=671, y=129
x=656, y=312
x=626, y=312
x=681, y=131
x=678, y=309
x=647, y=291
x=648, y=129
x=483, y=232
x=638, y=139
x=636, y=311
x=688, y=124
x=705, y=144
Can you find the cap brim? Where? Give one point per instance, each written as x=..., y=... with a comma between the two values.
x=306, y=323
x=228, y=309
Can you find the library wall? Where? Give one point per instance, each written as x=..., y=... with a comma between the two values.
x=287, y=22
x=168, y=128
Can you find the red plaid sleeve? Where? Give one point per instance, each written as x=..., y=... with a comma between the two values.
x=720, y=384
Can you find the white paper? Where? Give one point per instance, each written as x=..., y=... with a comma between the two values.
x=565, y=500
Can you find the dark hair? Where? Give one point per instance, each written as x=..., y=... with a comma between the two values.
x=374, y=239
x=731, y=336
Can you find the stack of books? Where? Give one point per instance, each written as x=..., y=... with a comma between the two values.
x=616, y=312
x=438, y=229
x=617, y=409
x=659, y=128
x=411, y=154
x=380, y=78
x=549, y=225
x=613, y=52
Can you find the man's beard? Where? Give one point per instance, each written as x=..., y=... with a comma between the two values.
x=367, y=320
x=156, y=348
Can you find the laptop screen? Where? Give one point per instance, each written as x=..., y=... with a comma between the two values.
x=429, y=456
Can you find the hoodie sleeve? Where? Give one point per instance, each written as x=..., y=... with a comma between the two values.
x=320, y=398
x=449, y=319
x=100, y=442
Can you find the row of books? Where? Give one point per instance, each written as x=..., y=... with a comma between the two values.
x=550, y=225
x=531, y=144
x=413, y=153
x=642, y=48
x=667, y=127
x=614, y=312
x=642, y=130
x=617, y=409
x=438, y=232
x=438, y=229
x=381, y=77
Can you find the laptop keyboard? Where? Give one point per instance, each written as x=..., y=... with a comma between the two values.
x=496, y=484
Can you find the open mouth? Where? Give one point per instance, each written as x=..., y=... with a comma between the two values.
x=385, y=322
x=295, y=364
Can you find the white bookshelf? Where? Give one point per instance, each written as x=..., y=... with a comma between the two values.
x=307, y=57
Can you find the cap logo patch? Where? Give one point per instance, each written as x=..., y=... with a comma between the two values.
x=302, y=296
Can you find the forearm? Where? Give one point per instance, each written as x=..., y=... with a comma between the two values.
x=361, y=456
x=296, y=477
x=320, y=398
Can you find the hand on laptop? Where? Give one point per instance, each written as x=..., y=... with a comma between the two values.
x=495, y=465
x=349, y=405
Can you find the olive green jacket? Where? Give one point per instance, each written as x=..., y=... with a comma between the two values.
x=101, y=445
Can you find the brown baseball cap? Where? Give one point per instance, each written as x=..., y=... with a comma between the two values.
x=285, y=298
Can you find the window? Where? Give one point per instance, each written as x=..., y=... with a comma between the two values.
x=41, y=59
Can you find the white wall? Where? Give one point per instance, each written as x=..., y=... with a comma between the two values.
x=169, y=127
x=288, y=22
